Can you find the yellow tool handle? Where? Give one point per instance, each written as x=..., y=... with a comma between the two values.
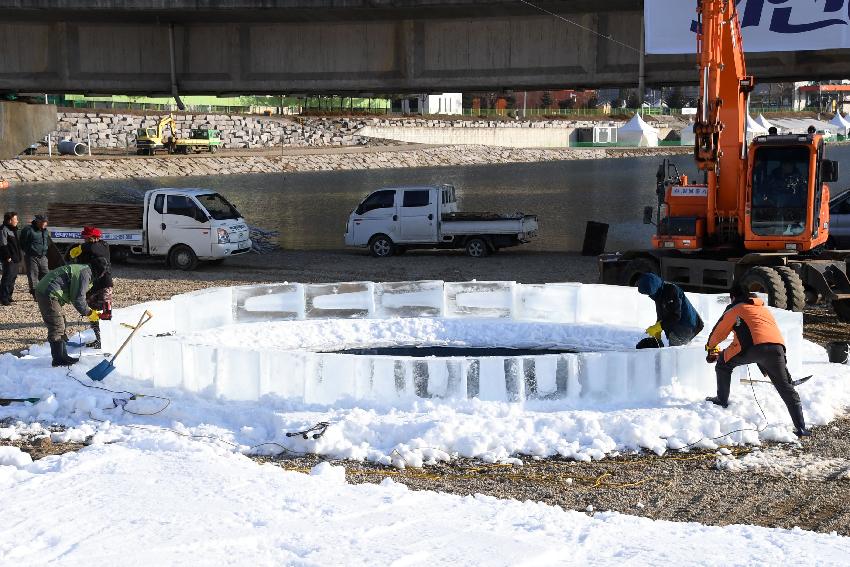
x=146, y=316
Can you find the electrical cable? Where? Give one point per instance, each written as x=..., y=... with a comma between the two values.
x=578, y=25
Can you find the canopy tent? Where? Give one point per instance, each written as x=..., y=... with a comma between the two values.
x=763, y=122
x=636, y=132
x=841, y=124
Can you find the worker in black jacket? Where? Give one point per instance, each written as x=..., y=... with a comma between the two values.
x=99, y=297
x=92, y=248
x=677, y=317
x=10, y=256
x=35, y=243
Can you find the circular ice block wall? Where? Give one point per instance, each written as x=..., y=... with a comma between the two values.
x=283, y=339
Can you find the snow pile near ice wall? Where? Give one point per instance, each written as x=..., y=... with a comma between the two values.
x=169, y=353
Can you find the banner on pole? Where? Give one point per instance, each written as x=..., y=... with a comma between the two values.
x=767, y=25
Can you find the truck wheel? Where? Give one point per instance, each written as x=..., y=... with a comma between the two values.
x=381, y=246
x=477, y=248
x=213, y=149
x=183, y=258
x=762, y=279
x=119, y=254
x=794, y=290
x=638, y=267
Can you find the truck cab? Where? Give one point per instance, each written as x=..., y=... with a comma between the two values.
x=188, y=225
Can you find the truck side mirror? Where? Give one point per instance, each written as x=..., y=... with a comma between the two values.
x=647, y=215
x=829, y=171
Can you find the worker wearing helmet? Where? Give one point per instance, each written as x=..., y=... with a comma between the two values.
x=93, y=247
x=66, y=284
x=677, y=317
x=757, y=341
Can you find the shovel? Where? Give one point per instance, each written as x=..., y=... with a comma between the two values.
x=105, y=367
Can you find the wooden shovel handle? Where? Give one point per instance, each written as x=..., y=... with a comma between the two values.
x=146, y=316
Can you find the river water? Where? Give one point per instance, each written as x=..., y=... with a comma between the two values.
x=310, y=209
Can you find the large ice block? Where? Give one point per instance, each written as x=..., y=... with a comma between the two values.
x=339, y=300
x=274, y=302
x=409, y=299
x=282, y=374
x=556, y=303
x=203, y=309
x=200, y=365
x=479, y=299
x=238, y=374
x=492, y=379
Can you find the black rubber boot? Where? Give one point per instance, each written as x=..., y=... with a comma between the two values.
x=716, y=401
x=796, y=412
x=96, y=342
x=59, y=350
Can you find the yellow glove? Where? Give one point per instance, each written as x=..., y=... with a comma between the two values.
x=76, y=251
x=712, y=354
x=655, y=331
x=94, y=316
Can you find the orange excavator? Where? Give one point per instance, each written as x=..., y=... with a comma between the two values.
x=760, y=217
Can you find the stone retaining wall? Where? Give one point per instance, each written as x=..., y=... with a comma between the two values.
x=27, y=170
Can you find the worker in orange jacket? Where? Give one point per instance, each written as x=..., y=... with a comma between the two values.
x=757, y=341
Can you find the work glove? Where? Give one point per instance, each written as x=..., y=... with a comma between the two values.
x=76, y=251
x=712, y=354
x=655, y=331
x=94, y=316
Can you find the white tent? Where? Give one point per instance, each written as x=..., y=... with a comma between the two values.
x=763, y=122
x=754, y=128
x=841, y=124
x=636, y=132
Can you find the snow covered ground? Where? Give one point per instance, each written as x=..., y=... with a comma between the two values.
x=141, y=494
x=159, y=499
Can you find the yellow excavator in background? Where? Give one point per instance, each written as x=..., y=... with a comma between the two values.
x=150, y=140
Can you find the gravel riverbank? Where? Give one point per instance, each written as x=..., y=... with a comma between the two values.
x=35, y=169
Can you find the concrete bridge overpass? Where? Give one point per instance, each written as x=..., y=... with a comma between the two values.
x=342, y=46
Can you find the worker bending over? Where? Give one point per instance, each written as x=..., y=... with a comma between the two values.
x=66, y=284
x=99, y=297
x=676, y=316
x=757, y=341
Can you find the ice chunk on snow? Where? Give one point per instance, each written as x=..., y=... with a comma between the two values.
x=268, y=302
x=14, y=457
x=409, y=299
x=341, y=300
x=329, y=472
x=479, y=299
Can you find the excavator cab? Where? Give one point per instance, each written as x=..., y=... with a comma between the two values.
x=787, y=198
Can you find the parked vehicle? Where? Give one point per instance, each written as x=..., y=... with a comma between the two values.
x=183, y=226
x=392, y=220
x=839, y=221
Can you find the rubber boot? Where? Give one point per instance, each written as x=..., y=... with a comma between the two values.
x=96, y=342
x=796, y=412
x=59, y=350
x=716, y=401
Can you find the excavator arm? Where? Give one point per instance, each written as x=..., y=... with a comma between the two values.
x=720, y=129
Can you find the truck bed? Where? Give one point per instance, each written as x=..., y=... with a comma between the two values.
x=101, y=215
x=524, y=226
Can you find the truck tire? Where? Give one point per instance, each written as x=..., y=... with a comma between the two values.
x=763, y=279
x=213, y=149
x=381, y=246
x=638, y=267
x=794, y=290
x=477, y=248
x=183, y=258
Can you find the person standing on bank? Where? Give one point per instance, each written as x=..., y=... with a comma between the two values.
x=10, y=256
x=677, y=317
x=758, y=340
x=92, y=248
x=35, y=243
x=66, y=284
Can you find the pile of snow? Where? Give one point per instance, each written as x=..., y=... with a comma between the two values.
x=159, y=499
x=784, y=463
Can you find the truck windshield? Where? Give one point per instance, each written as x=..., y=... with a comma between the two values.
x=780, y=191
x=218, y=207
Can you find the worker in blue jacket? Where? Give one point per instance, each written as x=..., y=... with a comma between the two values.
x=677, y=317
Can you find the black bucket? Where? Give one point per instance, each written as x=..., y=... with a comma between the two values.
x=595, y=238
x=838, y=352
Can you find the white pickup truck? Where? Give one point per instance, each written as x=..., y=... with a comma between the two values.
x=181, y=225
x=392, y=220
